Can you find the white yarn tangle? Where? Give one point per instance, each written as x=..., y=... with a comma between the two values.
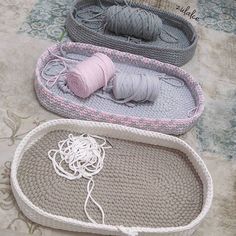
x=80, y=157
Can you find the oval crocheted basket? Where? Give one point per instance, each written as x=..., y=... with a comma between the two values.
x=174, y=53
x=176, y=110
x=151, y=183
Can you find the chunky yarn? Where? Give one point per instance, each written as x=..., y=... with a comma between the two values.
x=138, y=88
x=132, y=89
x=90, y=75
x=135, y=22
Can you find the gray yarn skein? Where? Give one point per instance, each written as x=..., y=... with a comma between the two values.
x=136, y=88
x=135, y=22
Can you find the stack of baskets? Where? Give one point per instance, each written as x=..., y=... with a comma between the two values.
x=150, y=182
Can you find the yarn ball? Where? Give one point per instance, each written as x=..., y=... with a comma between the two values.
x=90, y=75
x=134, y=22
x=138, y=88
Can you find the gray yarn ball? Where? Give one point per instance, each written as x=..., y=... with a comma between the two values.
x=134, y=22
x=138, y=88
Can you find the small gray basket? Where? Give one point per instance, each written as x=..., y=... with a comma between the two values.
x=174, y=53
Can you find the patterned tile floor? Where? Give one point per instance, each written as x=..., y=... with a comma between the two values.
x=218, y=14
x=47, y=19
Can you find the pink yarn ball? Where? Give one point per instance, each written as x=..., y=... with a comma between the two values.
x=90, y=75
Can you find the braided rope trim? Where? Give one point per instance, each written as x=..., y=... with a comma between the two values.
x=116, y=131
x=176, y=56
x=74, y=110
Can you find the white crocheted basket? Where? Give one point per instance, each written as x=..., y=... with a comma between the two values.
x=153, y=170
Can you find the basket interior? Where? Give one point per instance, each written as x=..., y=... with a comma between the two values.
x=88, y=9
x=172, y=103
x=140, y=184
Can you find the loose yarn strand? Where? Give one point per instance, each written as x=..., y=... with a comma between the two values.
x=89, y=191
x=192, y=112
x=83, y=157
x=63, y=57
x=101, y=5
x=92, y=18
x=59, y=60
x=167, y=80
x=52, y=79
x=171, y=35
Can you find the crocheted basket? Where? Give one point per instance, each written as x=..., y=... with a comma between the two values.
x=173, y=53
x=151, y=183
x=176, y=110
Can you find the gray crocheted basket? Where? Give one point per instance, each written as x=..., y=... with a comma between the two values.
x=173, y=53
x=175, y=111
x=150, y=183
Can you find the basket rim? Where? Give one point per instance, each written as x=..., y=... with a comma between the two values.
x=190, y=79
x=200, y=165
x=192, y=45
